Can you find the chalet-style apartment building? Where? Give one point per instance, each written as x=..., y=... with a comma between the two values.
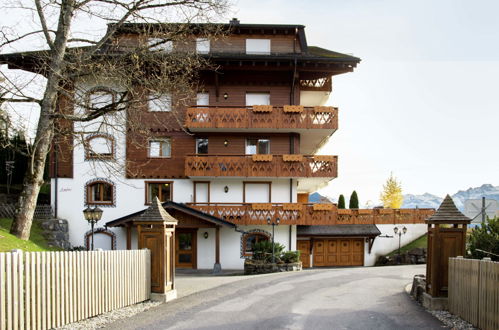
x=243, y=155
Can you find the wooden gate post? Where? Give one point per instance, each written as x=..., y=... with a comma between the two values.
x=156, y=232
x=446, y=239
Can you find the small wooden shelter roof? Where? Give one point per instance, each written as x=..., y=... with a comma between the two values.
x=448, y=213
x=137, y=216
x=156, y=213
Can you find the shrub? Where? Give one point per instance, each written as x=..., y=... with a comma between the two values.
x=290, y=256
x=354, y=201
x=485, y=237
x=341, y=202
x=263, y=251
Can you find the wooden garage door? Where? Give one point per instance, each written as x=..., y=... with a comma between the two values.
x=338, y=252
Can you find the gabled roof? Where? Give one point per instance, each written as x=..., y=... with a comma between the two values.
x=339, y=230
x=136, y=216
x=156, y=212
x=448, y=213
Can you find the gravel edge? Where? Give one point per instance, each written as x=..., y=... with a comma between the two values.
x=101, y=320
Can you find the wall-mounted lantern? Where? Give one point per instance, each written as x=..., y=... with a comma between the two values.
x=226, y=189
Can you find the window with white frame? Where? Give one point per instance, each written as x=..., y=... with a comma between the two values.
x=100, y=97
x=99, y=147
x=258, y=46
x=202, y=45
x=160, y=102
x=160, y=45
x=201, y=146
x=160, y=148
x=203, y=99
x=257, y=146
x=257, y=98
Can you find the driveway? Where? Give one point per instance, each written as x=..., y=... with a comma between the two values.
x=340, y=298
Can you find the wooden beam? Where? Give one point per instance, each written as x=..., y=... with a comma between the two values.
x=128, y=237
x=217, y=245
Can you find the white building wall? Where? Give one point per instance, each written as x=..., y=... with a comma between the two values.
x=385, y=245
x=206, y=248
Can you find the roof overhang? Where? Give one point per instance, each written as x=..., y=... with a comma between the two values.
x=133, y=217
x=339, y=231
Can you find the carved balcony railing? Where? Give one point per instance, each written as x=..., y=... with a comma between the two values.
x=294, y=166
x=309, y=214
x=271, y=117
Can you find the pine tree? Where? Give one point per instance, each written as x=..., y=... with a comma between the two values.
x=354, y=201
x=341, y=202
x=391, y=196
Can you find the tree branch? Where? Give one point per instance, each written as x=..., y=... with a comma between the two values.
x=43, y=22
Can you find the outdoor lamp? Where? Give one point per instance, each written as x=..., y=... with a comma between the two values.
x=278, y=220
x=92, y=216
x=226, y=96
x=396, y=230
x=87, y=213
x=404, y=230
x=268, y=220
x=205, y=235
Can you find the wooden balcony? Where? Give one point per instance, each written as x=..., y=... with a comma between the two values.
x=262, y=117
x=309, y=214
x=293, y=166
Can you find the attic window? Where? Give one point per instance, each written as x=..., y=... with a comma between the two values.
x=258, y=46
x=160, y=45
x=202, y=46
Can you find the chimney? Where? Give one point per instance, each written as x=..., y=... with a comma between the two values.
x=234, y=21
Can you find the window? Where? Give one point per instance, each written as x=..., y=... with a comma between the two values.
x=257, y=99
x=160, y=102
x=257, y=146
x=99, y=147
x=100, y=192
x=258, y=46
x=202, y=46
x=203, y=99
x=201, y=146
x=249, y=241
x=99, y=97
x=160, y=45
x=162, y=190
x=160, y=148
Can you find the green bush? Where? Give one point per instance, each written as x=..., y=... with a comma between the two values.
x=485, y=237
x=290, y=256
x=263, y=251
x=341, y=202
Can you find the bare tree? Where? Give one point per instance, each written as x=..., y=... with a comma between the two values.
x=141, y=65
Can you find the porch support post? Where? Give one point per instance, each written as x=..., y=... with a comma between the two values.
x=217, y=268
x=128, y=237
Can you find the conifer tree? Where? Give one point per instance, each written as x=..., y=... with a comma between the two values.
x=341, y=202
x=354, y=201
x=391, y=196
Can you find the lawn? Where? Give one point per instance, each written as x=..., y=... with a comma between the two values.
x=9, y=242
x=421, y=242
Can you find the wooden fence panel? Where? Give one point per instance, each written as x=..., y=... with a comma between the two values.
x=42, y=290
x=474, y=291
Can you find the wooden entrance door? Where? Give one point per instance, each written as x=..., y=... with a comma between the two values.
x=304, y=247
x=185, y=249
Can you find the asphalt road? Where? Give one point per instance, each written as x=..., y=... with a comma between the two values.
x=341, y=298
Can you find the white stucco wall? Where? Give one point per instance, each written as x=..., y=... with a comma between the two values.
x=384, y=245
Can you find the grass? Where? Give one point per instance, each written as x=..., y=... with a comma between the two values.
x=421, y=242
x=9, y=242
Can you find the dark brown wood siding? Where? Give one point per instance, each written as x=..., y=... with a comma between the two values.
x=61, y=153
x=279, y=143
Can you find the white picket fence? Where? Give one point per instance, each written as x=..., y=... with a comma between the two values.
x=43, y=290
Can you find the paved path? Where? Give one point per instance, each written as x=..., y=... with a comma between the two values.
x=341, y=298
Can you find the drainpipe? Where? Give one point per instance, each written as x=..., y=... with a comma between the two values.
x=56, y=174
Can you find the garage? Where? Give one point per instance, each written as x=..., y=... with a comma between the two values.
x=334, y=246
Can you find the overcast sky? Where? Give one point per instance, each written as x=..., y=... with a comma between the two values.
x=424, y=101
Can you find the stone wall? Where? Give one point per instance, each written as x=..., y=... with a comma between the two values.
x=55, y=232
x=252, y=267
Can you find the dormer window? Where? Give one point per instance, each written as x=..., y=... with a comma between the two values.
x=258, y=46
x=99, y=147
x=160, y=102
x=202, y=46
x=160, y=45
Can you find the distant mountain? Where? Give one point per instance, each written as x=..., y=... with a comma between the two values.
x=431, y=201
x=318, y=198
x=422, y=201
